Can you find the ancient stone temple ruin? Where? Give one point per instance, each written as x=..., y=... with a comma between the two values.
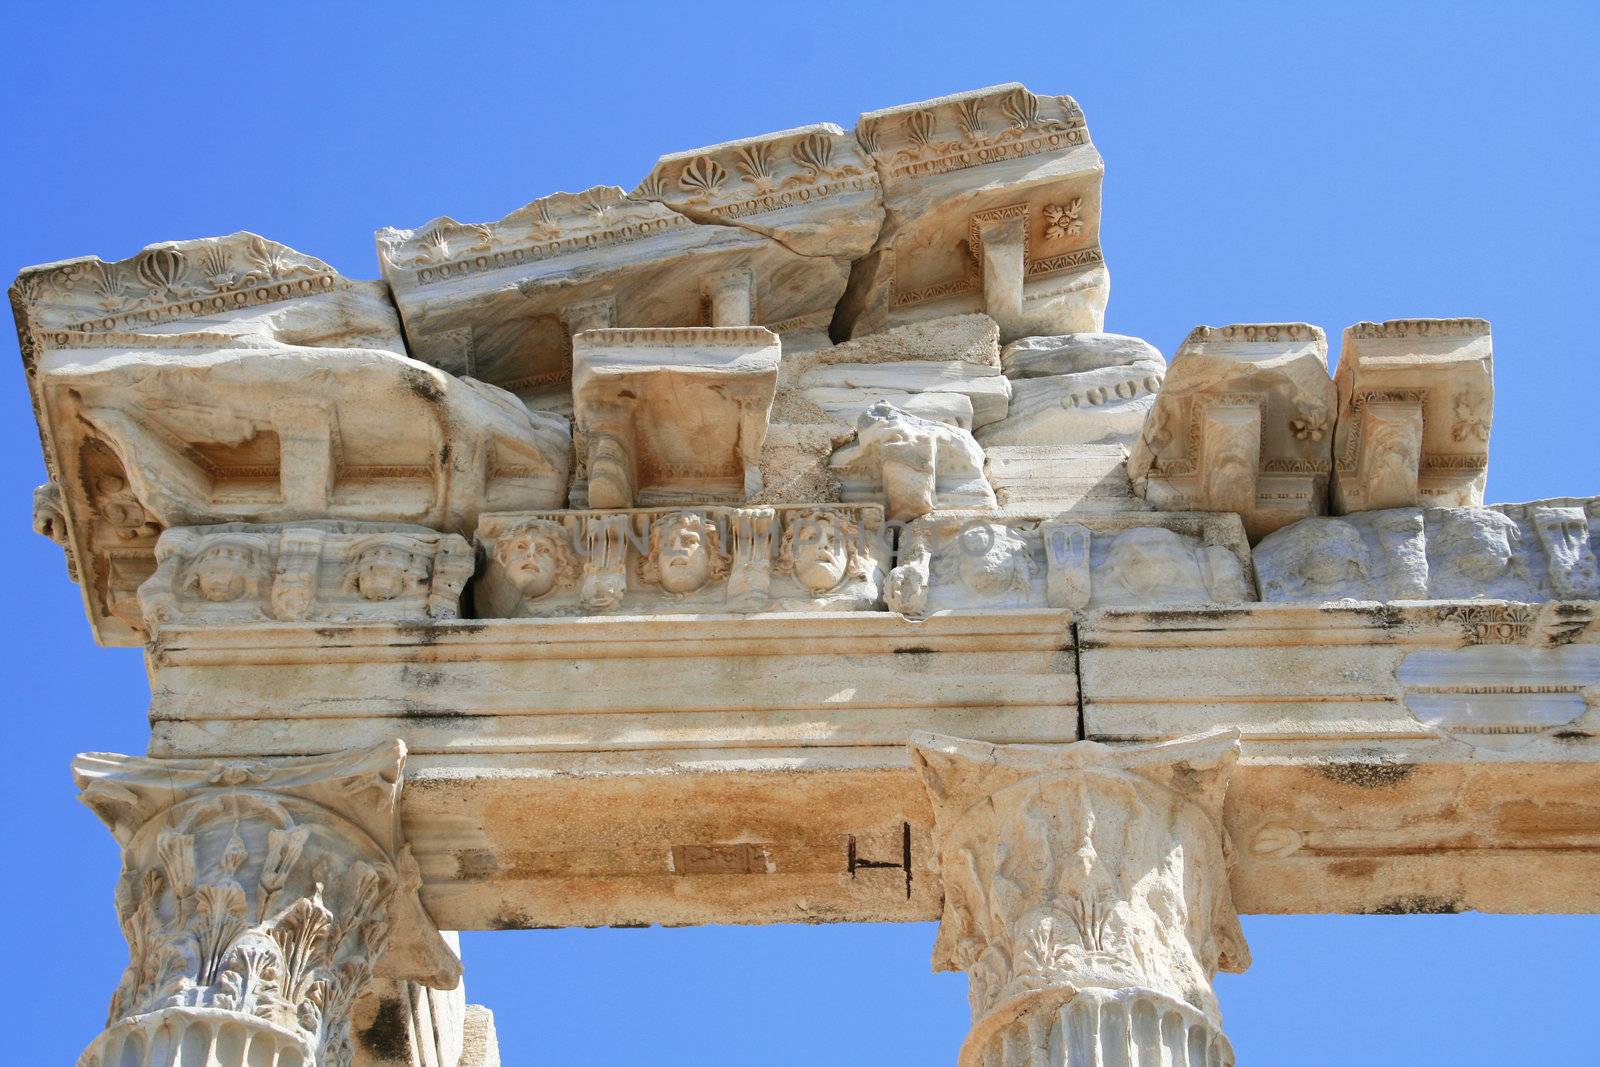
x=785, y=541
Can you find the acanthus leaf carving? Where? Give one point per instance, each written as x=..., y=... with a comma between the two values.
x=268, y=892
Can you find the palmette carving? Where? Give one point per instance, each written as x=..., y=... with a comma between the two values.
x=506, y=303
x=324, y=571
x=967, y=561
x=1086, y=893
x=993, y=204
x=257, y=901
x=708, y=559
x=811, y=188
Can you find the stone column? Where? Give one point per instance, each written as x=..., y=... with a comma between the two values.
x=1086, y=896
x=259, y=899
x=731, y=296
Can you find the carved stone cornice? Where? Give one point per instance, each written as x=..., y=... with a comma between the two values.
x=1086, y=894
x=166, y=282
x=258, y=900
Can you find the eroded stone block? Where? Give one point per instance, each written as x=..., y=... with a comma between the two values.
x=1415, y=401
x=502, y=301
x=993, y=204
x=974, y=561
x=234, y=379
x=944, y=370
x=710, y=559
x=322, y=571
x=1544, y=550
x=1051, y=478
x=1242, y=423
x=911, y=464
x=672, y=415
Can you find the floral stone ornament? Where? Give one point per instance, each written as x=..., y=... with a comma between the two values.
x=258, y=900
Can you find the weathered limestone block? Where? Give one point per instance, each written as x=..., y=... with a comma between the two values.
x=1078, y=389
x=259, y=900
x=276, y=436
x=233, y=379
x=1056, y=478
x=1077, y=353
x=953, y=561
x=847, y=390
x=811, y=188
x=1086, y=896
x=1544, y=550
x=709, y=559
x=1376, y=555
x=969, y=338
x=325, y=571
x=1415, y=400
x=672, y=415
x=947, y=370
x=911, y=464
x=993, y=204
x=815, y=410
x=1242, y=423
x=502, y=301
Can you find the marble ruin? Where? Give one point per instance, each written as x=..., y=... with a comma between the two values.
x=787, y=540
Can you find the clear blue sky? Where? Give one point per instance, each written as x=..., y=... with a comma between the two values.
x=1331, y=162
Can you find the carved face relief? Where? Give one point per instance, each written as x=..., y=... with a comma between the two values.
x=685, y=553
x=386, y=572
x=816, y=545
x=537, y=558
x=684, y=558
x=990, y=560
x=1564, y=533
x=1476, y=543
x=1151, y=562
x=223, y=572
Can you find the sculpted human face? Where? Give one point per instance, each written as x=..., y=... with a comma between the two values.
x=1149, y=560
x=385, y=573
x=684, y=561
x=820, y=556
x=986, y=554
x=532, y=562
x=1564, y=532
x=222, y=573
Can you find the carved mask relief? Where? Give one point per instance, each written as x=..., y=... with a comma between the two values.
x=224, y=572
x=536, y=558
x=685, y=552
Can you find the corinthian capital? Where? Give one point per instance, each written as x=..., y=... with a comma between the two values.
x=1086, y=895
x=258, y=900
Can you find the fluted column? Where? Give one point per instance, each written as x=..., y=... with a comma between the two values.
x=258, y=899
x=1086, y=896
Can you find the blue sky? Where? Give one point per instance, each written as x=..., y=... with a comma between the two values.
x=1329, y=162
